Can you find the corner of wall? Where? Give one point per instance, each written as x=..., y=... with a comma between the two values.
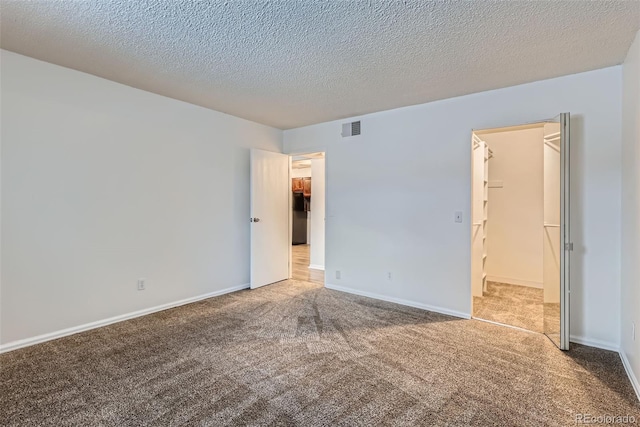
x=630, y=215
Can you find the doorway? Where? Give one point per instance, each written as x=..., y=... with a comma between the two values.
x=520, y=228
x=307, y=217
x=271, y=217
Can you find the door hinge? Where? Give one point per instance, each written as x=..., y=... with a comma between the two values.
x=568, y=246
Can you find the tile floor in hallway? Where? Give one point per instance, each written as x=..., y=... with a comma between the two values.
x=301, y=270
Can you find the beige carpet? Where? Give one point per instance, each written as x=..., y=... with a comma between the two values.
x=513, y=305
x=295, y=353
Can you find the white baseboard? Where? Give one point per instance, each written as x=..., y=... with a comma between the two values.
x=512, y=281
x=605, y=345
x=632, y=376
x=316, y=267
x=400, y=301
x=14, y=345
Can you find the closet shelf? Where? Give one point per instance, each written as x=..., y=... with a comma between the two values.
x=481, y=183
x=552, y=135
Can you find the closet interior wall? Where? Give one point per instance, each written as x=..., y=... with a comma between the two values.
x=515, y=215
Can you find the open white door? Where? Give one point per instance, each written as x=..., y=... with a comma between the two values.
x=270, y=238
x=557, y=243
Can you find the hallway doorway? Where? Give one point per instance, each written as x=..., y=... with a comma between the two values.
x=308, y=217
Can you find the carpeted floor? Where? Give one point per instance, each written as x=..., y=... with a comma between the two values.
x=513, y=305
x=295, y=353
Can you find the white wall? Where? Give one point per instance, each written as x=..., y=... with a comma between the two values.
x=630, y=300
x=514, y=232
x=396, y=214
x=316, y=256
x=300, y=172
x=103, y=184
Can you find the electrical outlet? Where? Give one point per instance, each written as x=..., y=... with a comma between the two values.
x=338, y=274
x=389, y=275
x=141, y=284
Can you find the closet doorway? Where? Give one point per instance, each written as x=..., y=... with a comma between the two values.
x=520, y=241
x=307, y=217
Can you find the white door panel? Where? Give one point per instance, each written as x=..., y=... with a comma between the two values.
x=270, y=239
x=556, y=245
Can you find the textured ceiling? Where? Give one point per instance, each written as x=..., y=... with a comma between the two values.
x=297, y=62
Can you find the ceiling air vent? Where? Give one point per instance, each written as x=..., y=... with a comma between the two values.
x=351, y=129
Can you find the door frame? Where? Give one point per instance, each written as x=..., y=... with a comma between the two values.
x=291, y=155
x=566, y=243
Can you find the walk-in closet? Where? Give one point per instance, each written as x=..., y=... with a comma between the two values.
x=515, y=233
